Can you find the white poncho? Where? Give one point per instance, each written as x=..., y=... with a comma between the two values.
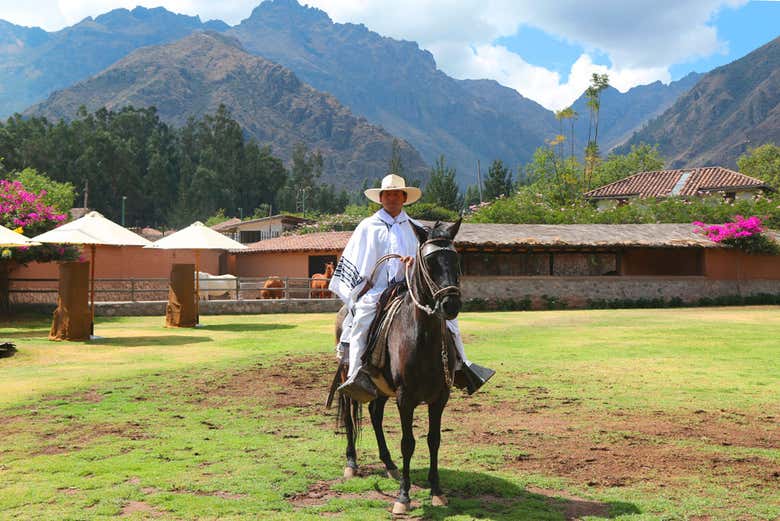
x=374, y=237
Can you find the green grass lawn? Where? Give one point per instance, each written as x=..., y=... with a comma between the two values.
x=610, y=414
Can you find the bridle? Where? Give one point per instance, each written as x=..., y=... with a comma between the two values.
x=438, y=293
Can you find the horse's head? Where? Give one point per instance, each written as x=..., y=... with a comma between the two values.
x=438, y=259
x=329, y=270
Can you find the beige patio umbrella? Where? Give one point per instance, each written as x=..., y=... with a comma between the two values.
x=197, y=237
x=92, y=230
x=12, y=239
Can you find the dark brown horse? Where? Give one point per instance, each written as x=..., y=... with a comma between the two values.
x=421, y=362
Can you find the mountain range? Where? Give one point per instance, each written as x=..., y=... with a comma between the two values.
x=730, y=110
x=195, y=75
x=393, y=84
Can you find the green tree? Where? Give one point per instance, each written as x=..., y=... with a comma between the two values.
x=598, y=83
x=471, y=197
x=60, y=196
x=560, y=182
x=641, y=158
x=442, y=189
x=762, y=162
x=396, y=164
x=498, y=181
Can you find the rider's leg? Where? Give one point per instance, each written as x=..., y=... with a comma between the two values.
x=358, y=384
x=358, y=339
x=452, y=325
x=475, y=375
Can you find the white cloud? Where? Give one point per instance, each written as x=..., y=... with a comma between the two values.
x=641, y=38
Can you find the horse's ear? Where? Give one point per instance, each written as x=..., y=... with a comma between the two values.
x=453, y=230
x=420, y=232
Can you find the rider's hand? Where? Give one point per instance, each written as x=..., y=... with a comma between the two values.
x=408, y=261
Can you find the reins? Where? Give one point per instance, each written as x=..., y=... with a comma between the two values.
x=434, y=289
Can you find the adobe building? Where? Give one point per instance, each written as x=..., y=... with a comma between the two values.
x=572, y=263
x=712, y=181
x=260, y=229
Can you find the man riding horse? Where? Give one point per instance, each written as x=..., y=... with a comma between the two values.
x=388, y=231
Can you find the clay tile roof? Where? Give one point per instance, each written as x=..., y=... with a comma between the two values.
x=663, y=183
x=226, y=225
x=581, y=236
x=674, y=235
x=323, y=241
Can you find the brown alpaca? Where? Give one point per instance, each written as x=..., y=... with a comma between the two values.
x=269, y=288
x=320, y=281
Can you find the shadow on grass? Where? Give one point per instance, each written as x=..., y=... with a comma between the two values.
x=240, y=328
x=480, y=495
x=27, y=333
x=138, y=341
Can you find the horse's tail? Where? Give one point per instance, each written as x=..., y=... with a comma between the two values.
x=349, y=414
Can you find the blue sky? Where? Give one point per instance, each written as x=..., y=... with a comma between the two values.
x=742, y=29
x=547, y=51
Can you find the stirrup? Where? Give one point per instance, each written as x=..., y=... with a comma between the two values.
x=475, y=376
x=360, y=388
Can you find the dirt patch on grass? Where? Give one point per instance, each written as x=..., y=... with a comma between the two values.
x=602, y=449
x=321, y=492
x=555, y=436
x=293, y=382
x=572, y=507
x=140, y=507
x=75, y=437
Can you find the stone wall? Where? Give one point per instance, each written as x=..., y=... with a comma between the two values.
x=576, y=291
x=211, y=307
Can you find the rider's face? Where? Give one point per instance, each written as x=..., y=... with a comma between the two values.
x=393, y=201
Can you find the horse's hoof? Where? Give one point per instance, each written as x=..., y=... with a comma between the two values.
x=400, y=509
x=349, y=472
x=394, y=474
x=438, y=501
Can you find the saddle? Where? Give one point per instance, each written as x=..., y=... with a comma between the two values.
x=375, y=357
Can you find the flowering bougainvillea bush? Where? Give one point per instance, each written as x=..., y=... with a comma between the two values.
x=744, y=233
x=25, y=212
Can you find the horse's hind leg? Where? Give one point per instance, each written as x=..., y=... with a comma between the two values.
x=435, y=411
x=377, y=411
x=406, y=410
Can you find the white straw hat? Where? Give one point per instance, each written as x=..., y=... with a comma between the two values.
x=394, y=182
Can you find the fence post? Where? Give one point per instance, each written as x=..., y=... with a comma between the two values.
x=287, y=288
x=238, y=288
x=132, y=290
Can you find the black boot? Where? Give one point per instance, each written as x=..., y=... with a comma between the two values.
x=475, y=376
x=360, y=387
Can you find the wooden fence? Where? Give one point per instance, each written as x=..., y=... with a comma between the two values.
x=44, y=291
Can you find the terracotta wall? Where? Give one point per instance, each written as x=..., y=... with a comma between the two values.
x=662, y=261
x=290, y=264
x=724, y=264
x=128, y=262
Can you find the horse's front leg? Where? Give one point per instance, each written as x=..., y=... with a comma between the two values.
x=406, y=411
x=435, y=411
x=347, y=407
x=377, y=411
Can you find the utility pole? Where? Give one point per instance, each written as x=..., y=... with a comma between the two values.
x=241, y=213
x=301, y=203
x=124, y=198
x=479, y=181
x=86, y=193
